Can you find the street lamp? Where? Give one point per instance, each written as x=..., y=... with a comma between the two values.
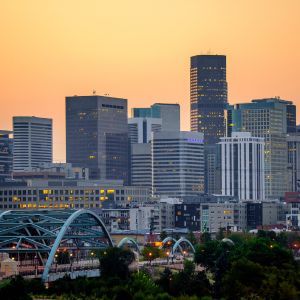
x=92, y=254
x=71, y=261
x=150, y=256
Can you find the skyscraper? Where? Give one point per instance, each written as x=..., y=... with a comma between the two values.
x=6, y=154
x=208, y=92
x=141, y=165
x=140, y=129
x=177, y=164
x=97, y=135
x=272, y=119
x=169, y=114
x=243, y=166
x=32, y=142
x=293, y=146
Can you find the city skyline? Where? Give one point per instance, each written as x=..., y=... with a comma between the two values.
x=52, y=54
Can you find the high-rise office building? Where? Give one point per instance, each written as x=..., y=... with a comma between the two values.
x=177, y=164
x=141, y=165
x=167, y=112
x=243, y=166
x=6, y=154
x=32, y=142
x=97, y=135
x=208, y=93
x=140, y=129
x=212, y=158
x=293, y=146
x=272, y=119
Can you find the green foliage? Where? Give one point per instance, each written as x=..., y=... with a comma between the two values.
x=188, y=267
x=220, y=235
x=62, y=257
x=114, y=262
x=14, y=289
x=141, y=282
x=255, y=267
x=163, y=235
x=206, y=254
x=150, y=253
x=205, y=237
x=191, y=237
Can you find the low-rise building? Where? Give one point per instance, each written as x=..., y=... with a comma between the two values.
x=76, y=194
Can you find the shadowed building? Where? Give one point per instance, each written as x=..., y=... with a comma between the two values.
x=208, y=92
x=32, y=142
x=177, y=164
x=6, y=154
x=97, y=135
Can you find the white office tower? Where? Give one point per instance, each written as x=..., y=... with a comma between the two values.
x=141, y=165
x=177, y=164
x=139, y=129
x=243, y=174
x=32, y=142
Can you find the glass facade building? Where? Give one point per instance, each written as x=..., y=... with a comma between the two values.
x=177, y=164
x=97, y=135
x=208, y=95
x=6, y=154
x=169, y=114
x=32, y=142
x=272, y=119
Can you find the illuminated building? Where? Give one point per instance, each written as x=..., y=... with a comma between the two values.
x=54, y=194
x=32, y=142
x=243, y=166
x=271, y=119
x=97, y=135
x=208, y=95
x=6, y=154
x=177, y=163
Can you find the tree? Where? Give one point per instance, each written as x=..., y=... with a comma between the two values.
x=141, y=282
x=62, y=257
x=114, y=262
x=165, y=280
x=150, y=253
x=163, y=235
x=205, y=237
x=243, y=279
x=220, y=235
x=191, y=237
x=14, y=289
x=188, y=267
x=206, y=254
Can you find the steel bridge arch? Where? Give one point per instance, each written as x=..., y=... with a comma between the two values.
x=177, y=245
x=62, y=232
x=167, y=239
x=130, y=240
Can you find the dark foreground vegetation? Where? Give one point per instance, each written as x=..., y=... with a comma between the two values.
x=252, y=267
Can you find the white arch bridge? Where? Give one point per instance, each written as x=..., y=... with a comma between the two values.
x=51, y=243
x=44, y=240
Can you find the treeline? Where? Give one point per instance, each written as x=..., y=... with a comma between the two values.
x=241, y=266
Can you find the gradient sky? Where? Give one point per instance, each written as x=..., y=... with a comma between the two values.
x=140, y=50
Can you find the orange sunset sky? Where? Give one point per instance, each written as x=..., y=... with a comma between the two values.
x=140, y=50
